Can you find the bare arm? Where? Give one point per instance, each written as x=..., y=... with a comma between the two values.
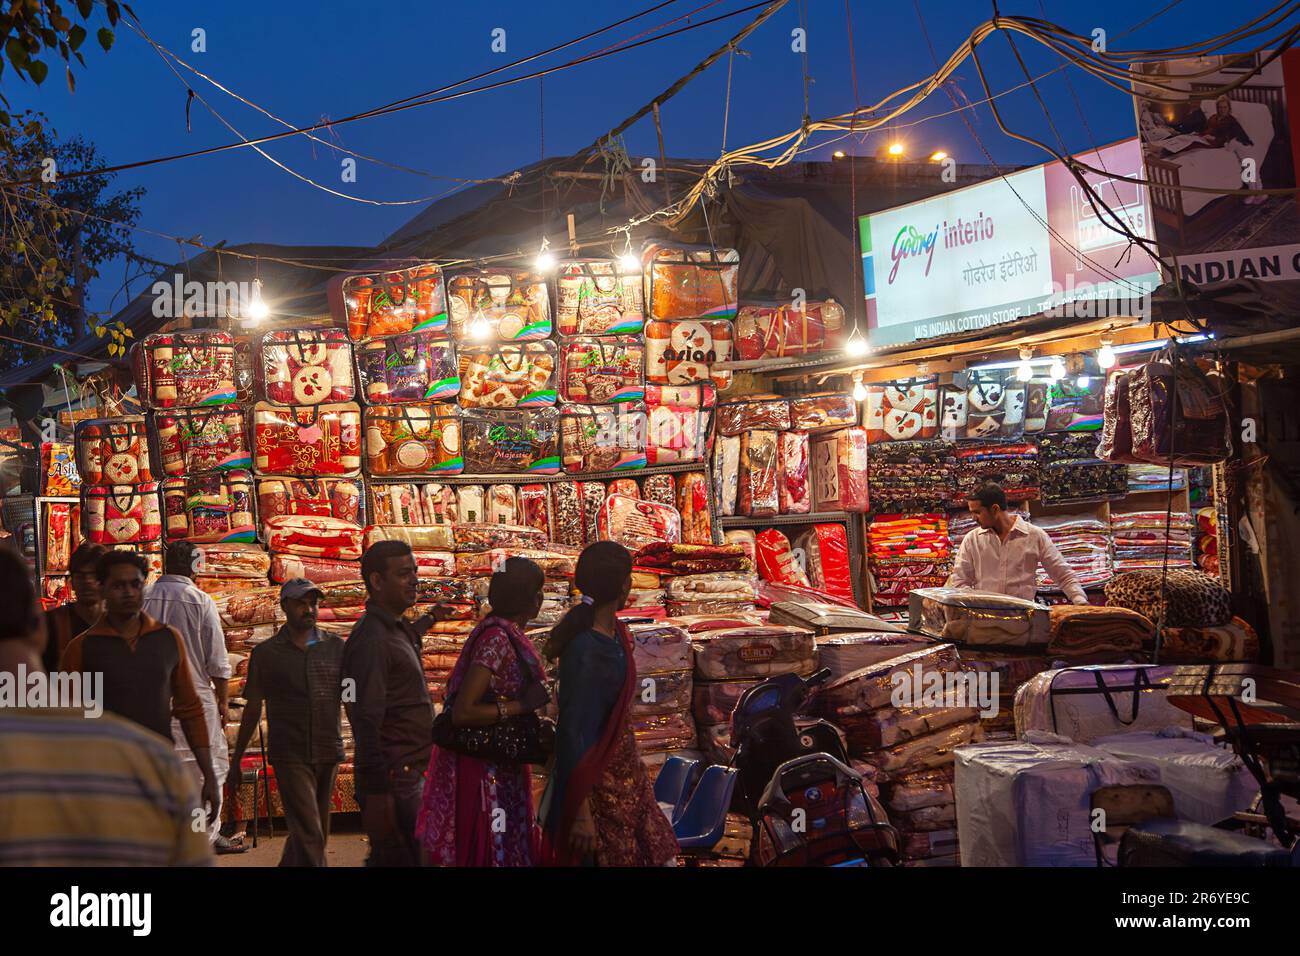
x=469, y=710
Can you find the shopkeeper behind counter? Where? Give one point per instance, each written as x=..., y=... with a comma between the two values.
x=1004, y=553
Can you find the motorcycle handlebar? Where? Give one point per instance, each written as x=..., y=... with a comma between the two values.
x=821, y=677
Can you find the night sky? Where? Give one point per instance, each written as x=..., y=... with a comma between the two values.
x=307, y=61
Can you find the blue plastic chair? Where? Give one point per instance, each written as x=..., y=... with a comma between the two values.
x=673, y=780
x=704, y=820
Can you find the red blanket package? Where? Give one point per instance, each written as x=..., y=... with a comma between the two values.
x=823, y=411
x=307, y=439
x=113, y=451
x=216, y=507
x=776, y=559
x=121, y=514
x=759, y=464
x=759, y=411
x=286, y=567
x=390, y=303
x=185, y=369
x=422, y=503
x=413, y=439
x=826, y=559
x=598, y=297
x=305, y=367
x=693, y=505
x=418, y=367
x=899, y=411
x=316, y=497
x=687, y=352
x=839, y=467
x=314, y=537
x=598, y=371
x=776, y=330
x=535, y=508
x=567, y=513
x=503, y=504
x=795, y=482
x=195, y=440
x=679, y=428
x=634, y=523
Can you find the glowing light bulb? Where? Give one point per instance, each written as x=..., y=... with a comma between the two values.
x=859, y=391
x=479, y=328
x=1056, y=371
x=856, y=344
x=938, y=156
x=257, y=309
x=1083, y=381
x=544, y=262
x=838, y=154
x=1106, y=355
x=628, y=262
x=1024, y=372
x=895, y=149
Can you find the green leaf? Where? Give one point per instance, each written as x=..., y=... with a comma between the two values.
x=38, y=71
x=99, y=331
x=76, y=36
x=16, y=52
x=105, y=36
x=85, y=6
x=72, y=81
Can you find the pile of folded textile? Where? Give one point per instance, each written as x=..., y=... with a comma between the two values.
x=1142, y=539
x=1155, y=478
x=1013, y=465
x=1083, y=631
x=1071, y=470
x=693, y=558
x=1235, y=641
x=907, y=552
x=1084, y=541
x=909, y=476
x=911, y=747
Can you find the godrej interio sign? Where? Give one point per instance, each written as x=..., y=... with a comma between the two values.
x=1016, y=246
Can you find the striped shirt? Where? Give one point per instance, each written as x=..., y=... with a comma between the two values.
x=78, y=791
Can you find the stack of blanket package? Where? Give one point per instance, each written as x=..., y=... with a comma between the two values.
x=1147, y=540
x=907, y=552
x=1084, y=540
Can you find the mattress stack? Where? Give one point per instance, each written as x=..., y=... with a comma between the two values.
x=1085, y=542
x=913, y=476
x=661, y=705
x=908, y=739
x=730, y=658
x=906, y=552
x=1071, y=470
x=1147, y=540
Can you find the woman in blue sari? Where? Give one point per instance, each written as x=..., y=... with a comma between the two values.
x=601, y=807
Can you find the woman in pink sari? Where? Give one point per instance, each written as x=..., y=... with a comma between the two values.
x=475, y=813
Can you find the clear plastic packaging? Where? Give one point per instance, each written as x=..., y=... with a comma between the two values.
x=693, y=506
x=602, y=370
x=660, y=647
x=826, y=559
x=567, y=515
x=662, y=692
x=233, y=560
x=776, y=560
x=684, y=281
x=726, y=474
x=839, y=467
x=978, y=617
x=216, y=507
x=511, y=442
x=390, y=302
x=687, y=351
x=777, y=330
x=121, y=514
x=486, y=537
x=794, y=480
x=113, y=451
x=902, y=411
x=821, y=412
x=320, y=497
x=286, y=567
x=413, y=439
x=761, y=411
x=660, y=488
x=185, y=369
x=429, y=537
x=423, y=503
x=756, y=651
x=634, y=524
x=507, y=375
x=759, y=465
x=503, y=505
x=415, y=367
x=305, y=367
x=602, y=437
x=314, y=440
x=509, y=305
x=535, y=508
x=680, y=425
x=196, y=440
x=598, y=297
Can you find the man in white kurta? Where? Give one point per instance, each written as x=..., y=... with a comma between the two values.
x=174, y=599
x=1003, y=554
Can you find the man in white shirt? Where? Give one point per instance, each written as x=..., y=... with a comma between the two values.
x=174, y=599
x=1003, y=554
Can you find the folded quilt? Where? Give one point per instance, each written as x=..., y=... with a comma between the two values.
x=1234, y=641
x=1079, y=630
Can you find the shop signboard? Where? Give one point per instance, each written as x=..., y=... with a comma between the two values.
x=1024, y=244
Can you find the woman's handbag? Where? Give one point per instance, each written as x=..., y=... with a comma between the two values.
x=515, y=741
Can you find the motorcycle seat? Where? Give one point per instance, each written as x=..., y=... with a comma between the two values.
x=1168, y=842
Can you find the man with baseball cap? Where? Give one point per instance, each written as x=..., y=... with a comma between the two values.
x=298, y=672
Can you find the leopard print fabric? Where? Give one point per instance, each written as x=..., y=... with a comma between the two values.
x=1195, y=598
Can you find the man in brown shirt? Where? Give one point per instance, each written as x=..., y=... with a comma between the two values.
x=68, y=620
x=144, y=663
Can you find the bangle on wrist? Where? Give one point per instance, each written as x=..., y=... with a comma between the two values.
x=501, y=710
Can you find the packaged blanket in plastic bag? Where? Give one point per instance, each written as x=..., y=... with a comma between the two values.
x=429, y=537
x=680, y=423
x=1084, y=703
x=776, y=559
x=503, y=505
x=422, y=503
x=121, y=514
x=902, y=411
x=113, y=451
x=978, y=617
x=196, y=440
x=535, y=508
x=660, y=647
x=185, y=369
x=634, y=523
x=392, y=302
x=602, y=437
x=604, y=370
x=780, y=329
x=216, y=507
x=511, y=442
x=509, y=305
x=314, y=536
x=755, y=651
x=232, y=560
x=726, y=474
x=693, y=506
x=687, y=352
x=486, y=537
x=416, y=367
x=567, y=513
x=662, y=692
x=839, y=471
x=759, y=466
x=660, y=488
x=305, y=367
x=311, y=440
x=598, y=297
x=320, y=497
x=471, y=504
x=795, y=478
x=506, y=375
x=413, y=439
x=684, y=282
x=760, y=411
x=1200, y=422
x=823, y=411
x=826, y=559
x=286, y=567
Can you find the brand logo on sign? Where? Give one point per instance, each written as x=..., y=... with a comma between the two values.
x=911, y=244
x=756, y=653
x=690, y=355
